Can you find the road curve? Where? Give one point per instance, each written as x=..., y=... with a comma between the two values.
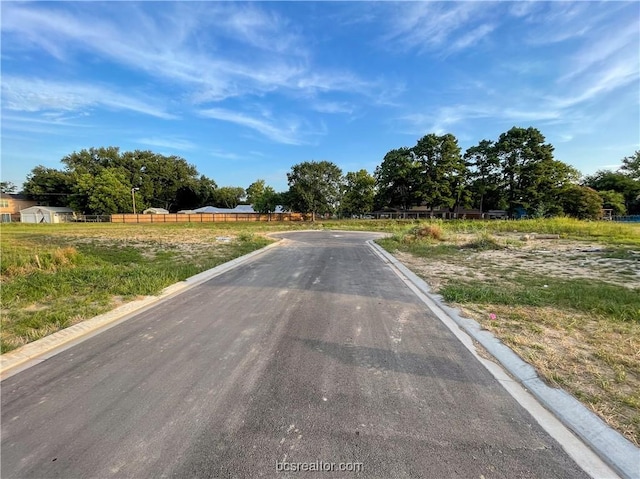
x=315, y=351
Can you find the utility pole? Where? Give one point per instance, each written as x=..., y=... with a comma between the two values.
x=133, y=198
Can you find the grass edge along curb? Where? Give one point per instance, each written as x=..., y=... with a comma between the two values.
x=612, y=447
x=31, y=352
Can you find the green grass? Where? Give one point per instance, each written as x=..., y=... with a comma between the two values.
x=53, y=277
x=606, y=232
x=570, y=313
x=56, y=275
x=616, y=303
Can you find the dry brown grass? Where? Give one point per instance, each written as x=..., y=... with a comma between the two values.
x=27, y=259
x=597, y=361
x=430, y=231
x=592, y=357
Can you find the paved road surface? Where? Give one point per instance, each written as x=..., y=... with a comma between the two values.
x=313, y=352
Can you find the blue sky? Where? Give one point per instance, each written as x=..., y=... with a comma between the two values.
x=246, y=90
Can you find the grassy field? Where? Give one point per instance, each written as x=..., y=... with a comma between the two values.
x=570, y=305
x=54, y=276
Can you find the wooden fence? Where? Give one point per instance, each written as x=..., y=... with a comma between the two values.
x=207, y=217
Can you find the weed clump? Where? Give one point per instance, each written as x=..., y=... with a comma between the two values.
x=483, y=242
x=427, y=232
x=17, y=262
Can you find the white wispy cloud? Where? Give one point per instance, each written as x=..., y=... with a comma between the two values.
x=431, y=26
x=171, y=143
x=225, y=155
x=39, y=95
x=289, y=131
x=599, y=83
x=262, y=52
x=472, y=38
x=605, y=47
x=333, y=107
x=443, y=119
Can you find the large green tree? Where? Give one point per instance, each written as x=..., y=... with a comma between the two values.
x=358, y=193
x=93, y=160
x=104, y=193
x=614, y=201
x=314, y=187
x=581, y=202
x=228, y=196
x=49, y=186
x=531, y=177
x=615, y=181
x=255, y=190
x=8, y=187
x=267, y=201
x=442, y=170
x=484, y=176
x=398, y=180
x=166, y=181
x=631, y=166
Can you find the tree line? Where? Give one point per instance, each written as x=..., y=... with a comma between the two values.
x=516, y=173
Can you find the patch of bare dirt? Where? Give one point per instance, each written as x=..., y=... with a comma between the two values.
x=555, y=258
x=594, y=359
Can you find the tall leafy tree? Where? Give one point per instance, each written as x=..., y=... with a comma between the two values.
x=397, y=180
x=161, y=177
x=631, y=166
x=49, y=186
x=442, y=170
x=195, y=193
x=615, y=181
x=8, y=187
x=358, y=193
x=614, y=201
x=314, y=187
x=581, y=202
x=166, y=181
x=484, y=176
x=93, y=160
x=105, y=193
x=527, y=163
x=255, y=190
x=228, y=196
x=267, y=202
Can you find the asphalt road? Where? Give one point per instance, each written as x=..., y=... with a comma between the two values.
x=315, y=351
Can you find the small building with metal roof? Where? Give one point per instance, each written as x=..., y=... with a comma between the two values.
x=46, y=214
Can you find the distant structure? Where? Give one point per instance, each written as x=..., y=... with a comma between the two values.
x=46, y=214
x=11, y=204
x=155, y=211
x=237, y=209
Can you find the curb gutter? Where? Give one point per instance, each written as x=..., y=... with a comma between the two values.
x=611, y=446
x=42, y=349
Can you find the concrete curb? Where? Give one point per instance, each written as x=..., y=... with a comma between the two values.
x=613, y=448
x=41, y=349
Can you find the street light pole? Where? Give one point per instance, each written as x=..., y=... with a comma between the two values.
x=133, y=198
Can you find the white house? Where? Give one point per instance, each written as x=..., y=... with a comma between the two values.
x=45, y=214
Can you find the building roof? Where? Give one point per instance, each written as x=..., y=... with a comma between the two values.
x=14, y=196
x=52, y=209
x=237, y=209
x=157, y=211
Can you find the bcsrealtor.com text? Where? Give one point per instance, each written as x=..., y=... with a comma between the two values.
x=319, y=466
